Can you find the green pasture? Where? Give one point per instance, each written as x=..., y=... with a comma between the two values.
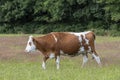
x=68, y=71
x=1, y=35
x=21, y=68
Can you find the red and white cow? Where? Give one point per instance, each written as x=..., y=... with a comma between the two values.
x=70, y=43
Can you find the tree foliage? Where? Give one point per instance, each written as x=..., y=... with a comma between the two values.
x=89, y=14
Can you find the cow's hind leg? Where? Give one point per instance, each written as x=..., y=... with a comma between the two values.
x=85, y=59
x=44, y=62
x=94, y=53
x=96, y=57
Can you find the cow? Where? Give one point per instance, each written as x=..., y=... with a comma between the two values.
x=54, y=44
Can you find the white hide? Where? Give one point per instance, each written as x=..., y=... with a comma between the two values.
x=61, y=52
x=54, y=37
x=82, y=33
x=43, y=65
x=52, y=55
x=80, y=39
x=85, y=59
x=89, y=49
x=32, y=47
x=97, y=58
x=82, y=49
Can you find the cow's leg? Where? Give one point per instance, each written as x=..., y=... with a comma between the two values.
x=57, y=59
x=94, y=53
x=85, y=59
x=44, y=62
x=96, y=57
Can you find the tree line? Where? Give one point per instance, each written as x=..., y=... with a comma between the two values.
x=43, y=16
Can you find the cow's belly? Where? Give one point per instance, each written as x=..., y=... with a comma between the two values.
x=74, y=49
x=70, y=49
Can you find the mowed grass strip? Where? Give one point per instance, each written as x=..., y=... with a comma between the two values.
x=12, y=35
x=104, y=39
x=68, y=71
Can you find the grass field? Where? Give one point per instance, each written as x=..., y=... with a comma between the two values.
x=15, y=64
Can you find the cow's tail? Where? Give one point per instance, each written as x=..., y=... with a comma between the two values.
x=94, y=35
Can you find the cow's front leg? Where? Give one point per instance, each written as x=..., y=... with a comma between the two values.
x=44, y=62
x=57, y=62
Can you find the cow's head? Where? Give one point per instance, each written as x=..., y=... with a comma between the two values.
x=30, y=45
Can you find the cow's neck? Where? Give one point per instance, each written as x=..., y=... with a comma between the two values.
x=39, y=46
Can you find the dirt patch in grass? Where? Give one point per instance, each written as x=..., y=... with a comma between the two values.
x=12, y=48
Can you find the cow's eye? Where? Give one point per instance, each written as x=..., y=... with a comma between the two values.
x=30, y=43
